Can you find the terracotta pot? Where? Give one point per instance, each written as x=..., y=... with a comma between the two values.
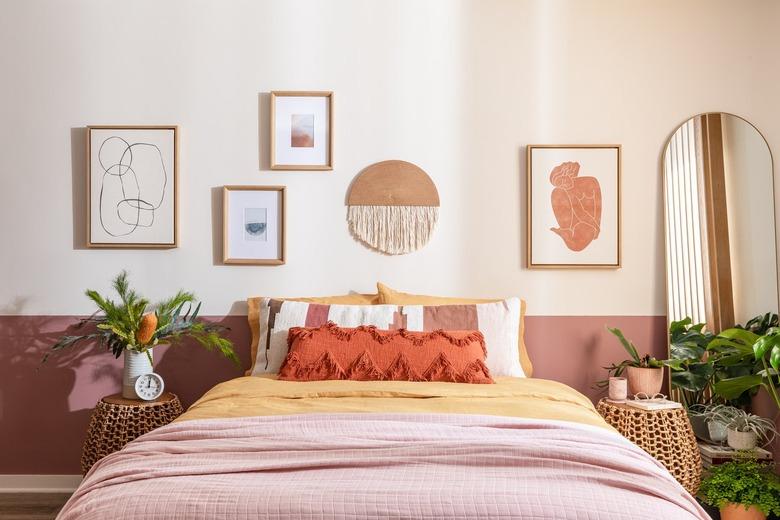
x=742, y=440
x=644, y=380
x=741, y=512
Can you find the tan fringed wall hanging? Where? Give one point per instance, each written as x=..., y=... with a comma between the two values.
x=393, y=207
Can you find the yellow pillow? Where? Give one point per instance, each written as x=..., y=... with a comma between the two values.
x=343, y=299
x=388, y=296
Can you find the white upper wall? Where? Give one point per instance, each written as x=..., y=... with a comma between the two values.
x=457, y=87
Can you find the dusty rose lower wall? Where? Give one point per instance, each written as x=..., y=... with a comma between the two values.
x=45, y=409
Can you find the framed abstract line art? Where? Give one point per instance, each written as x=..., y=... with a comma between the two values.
x=132, y=187
x=253, y=226
x=301, y=130
x=573, y=206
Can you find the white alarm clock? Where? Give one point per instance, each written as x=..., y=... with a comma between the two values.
x=149, y=386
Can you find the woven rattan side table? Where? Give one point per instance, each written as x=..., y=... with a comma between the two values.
x=667, y=435
x=117, y=421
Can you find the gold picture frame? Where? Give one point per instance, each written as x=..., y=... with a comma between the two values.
x=574, y=236
x=92, y=241
x=327, y=164
x=280, y=233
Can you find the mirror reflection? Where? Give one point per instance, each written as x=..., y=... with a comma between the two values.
x=721, y=253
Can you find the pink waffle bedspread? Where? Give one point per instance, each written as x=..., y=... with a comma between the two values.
x=367, y=466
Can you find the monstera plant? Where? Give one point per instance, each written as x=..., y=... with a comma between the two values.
x=760, y=352
x=692, y=368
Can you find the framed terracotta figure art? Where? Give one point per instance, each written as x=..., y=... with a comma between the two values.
x=573, y=206
x=253, y=227
x=301, y=130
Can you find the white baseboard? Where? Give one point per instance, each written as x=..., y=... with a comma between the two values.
x=39, y=483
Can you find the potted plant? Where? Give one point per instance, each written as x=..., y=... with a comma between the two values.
x=692, y=368
x=742, y=490
x=644, y=374
x=133, y=327
x=718, y=417
x=745, y=430
x=763, y=354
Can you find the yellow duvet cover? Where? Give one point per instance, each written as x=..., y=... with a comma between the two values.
x=510, y=397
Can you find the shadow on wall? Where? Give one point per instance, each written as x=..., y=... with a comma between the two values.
x=45, y=409
x=264, y=130
x=216, y=225
x=78, y=164
x=40, y=432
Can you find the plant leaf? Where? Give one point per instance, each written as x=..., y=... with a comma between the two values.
x=734, y=387
x=627, y=345
x=774, y=357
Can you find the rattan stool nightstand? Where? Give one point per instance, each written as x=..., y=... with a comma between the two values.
x=117, y=421
x=667, y=435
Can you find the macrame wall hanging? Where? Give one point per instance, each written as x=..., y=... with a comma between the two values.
x=393, y=207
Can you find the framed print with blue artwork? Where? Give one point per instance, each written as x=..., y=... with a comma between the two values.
x=253, y=225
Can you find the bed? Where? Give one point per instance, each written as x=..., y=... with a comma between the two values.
x=258, y=447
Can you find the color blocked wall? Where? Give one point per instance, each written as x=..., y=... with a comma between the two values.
x=459, y=87
x=45, y=409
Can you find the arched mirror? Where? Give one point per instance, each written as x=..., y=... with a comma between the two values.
x=719, y=201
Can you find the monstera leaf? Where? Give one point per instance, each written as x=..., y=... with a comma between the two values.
x=691, y=370
x=763, y=351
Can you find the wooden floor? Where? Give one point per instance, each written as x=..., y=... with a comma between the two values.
x=31, y=506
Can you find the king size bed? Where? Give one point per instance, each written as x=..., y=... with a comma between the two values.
x=265, y=446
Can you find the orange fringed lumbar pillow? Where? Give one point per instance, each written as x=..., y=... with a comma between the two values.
x=366, y=353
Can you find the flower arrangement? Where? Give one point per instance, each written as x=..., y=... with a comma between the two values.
x=135, y=325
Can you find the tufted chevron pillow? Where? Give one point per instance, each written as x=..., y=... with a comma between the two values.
x=366, y=353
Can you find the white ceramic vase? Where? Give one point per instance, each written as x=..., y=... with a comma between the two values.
x=742, y=440
x=718, y=431
x=136, y=365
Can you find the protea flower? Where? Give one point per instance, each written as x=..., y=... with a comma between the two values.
x=146, y=329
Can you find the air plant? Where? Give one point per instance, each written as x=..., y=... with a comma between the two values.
x=745, y=422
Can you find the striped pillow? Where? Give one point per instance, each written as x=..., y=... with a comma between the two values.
x=270, y=320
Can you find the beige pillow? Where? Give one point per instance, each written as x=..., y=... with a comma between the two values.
x=390, y=296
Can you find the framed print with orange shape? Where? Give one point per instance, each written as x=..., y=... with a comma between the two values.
x=573, y=206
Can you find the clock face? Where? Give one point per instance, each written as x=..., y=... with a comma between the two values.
x=149, y=386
